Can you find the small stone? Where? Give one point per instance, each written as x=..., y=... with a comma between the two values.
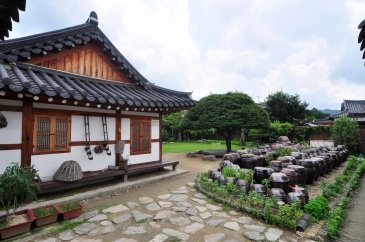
x=191, y=184
x=200, y=195
x=154, y=225
x=191, y=211
x=175, y=233
x=116, y=209
x=164, y=204
x=98, y=217
x=135, y=230
x=198, y=200
x=139, y=216
x=65, y=235
x=183, y=188
x=145, y=200
x=201, y=209
x=84, y=228
x=214, y=237
x=243, y=220
x=49, y=240
x=205, y=215
x=254, y=235
x=86, y=240
x=231, y=240
x=193, y=228
x=257, y=228
x=190, y=154
x=216, y=222
x=102, y=230
x=180, y=192
x=233, y=213
x=220, y=214
x=132, y=204
x=121, y=219
x=85, y=216
x=159, y=238
x=213, y=207
x=232, y=226
x=196, y=219
x=105, y=223
x=125, y=240
x=164, y=196
x=180, y=221
x=179, y=209
x=209, y=157
x=273, y=234
x=178, y=197
x=185, y=204
x=153, y=207
x=164, y=214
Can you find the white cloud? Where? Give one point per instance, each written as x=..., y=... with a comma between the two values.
x=257, y=47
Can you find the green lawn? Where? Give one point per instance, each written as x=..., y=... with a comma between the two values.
x=183, y=147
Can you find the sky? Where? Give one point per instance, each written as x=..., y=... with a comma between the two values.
x=258, y=47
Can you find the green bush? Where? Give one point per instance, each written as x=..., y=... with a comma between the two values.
x=345, y=131
x=229, y=171
x=246, y=174
x=318, y=207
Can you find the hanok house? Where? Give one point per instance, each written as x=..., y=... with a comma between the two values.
x=69, y=94
x=354, y=109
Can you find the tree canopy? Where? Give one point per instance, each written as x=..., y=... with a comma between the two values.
x=227, y=114
x=285, y=107
x=345, y=131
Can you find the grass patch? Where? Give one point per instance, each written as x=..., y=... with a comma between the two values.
x=183, y=147
x=65, y=225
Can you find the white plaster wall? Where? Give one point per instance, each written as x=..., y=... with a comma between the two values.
x=317, y=143
x=137, y=159
x=12, y=134
x=96, y=128
x=126, y=129
x=7, y=157
x=155, y=129
x=49, y=164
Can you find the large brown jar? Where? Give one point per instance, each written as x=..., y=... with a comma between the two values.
x=261, y=173
x=309, y=169
x=292, y=176
x=300, y=170
x=279, y=180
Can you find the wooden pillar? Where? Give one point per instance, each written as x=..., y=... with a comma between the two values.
x=27, y=132
x=160, y=124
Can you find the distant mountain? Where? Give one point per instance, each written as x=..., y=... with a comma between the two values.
x=330, y=111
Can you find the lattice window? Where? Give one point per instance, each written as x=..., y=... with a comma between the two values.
x=141, y=136
x=51, y=133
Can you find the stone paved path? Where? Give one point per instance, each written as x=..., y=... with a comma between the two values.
x=179, y=215
x=354, y=227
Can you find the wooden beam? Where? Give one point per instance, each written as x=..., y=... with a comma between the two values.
x=27, y=132
x=10, y=146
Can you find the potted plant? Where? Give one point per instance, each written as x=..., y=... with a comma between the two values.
x=69, y=210
x=17, y=186
x=45, y=215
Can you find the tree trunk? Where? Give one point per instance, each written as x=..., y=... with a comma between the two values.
x=229, y=143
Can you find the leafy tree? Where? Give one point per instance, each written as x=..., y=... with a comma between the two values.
x=345, y=131
x=227, y=114
x=285, y=107
x=171, y=125
x=280, y=129
x=314, y=113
